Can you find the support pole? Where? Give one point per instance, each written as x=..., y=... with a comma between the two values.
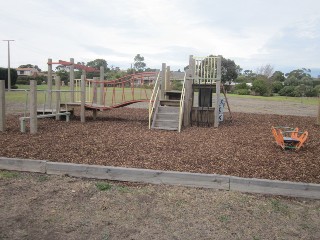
x=218, y=82
x=163, y=79
x=71, y=80
x=33, y=107
x=188, y=88
x=2, y=106
x=83, y=98
x=101, y=85
x=50, y=83
x=95, y=97
x=167, y=82
x=58, y=96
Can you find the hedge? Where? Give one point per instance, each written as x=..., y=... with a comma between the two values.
x=4, y=76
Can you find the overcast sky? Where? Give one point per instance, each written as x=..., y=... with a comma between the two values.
x=283, y=33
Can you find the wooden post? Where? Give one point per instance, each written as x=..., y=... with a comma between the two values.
x=2, y=106
x=83, y=98
x=58, y=96
x=50, y=83
x=101, y=85
x=188, y=97
x=33, y=107
x=95, y=96
x=218, y=82
x=167, y=81
x=71, y=80
x=163, y=79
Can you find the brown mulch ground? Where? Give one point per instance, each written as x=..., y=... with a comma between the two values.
x=121, y=137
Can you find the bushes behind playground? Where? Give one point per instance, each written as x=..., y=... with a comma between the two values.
x=25, y=80
x=4, y=76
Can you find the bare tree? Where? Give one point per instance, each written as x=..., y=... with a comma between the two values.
x=266, y=70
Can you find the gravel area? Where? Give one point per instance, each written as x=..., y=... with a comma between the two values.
x=121, y=137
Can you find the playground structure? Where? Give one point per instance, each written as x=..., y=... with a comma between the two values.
x=168, y=109
x=289, y=138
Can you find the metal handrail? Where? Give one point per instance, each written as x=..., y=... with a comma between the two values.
x=183, y=93
x=153, y=99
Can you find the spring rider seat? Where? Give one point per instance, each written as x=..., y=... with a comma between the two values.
x=289, y=138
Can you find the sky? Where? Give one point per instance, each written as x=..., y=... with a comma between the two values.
x=253, y=33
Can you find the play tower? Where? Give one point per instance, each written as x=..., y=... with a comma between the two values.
x=194, y=104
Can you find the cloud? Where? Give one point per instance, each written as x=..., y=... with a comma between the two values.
x=252, y=32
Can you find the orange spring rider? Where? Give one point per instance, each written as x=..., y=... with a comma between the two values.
x=289, y=138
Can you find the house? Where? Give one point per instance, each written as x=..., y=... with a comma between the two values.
x=28, y=72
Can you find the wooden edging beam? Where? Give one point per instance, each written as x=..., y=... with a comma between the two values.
x=215, y=181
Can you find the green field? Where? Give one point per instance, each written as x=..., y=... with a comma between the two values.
x=42, y=96
x=21, y=96
x=305, y=100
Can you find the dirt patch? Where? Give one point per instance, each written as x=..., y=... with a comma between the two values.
x=35, y=206
x=121, y=137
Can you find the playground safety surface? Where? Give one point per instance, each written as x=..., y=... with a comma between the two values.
x=121, y=137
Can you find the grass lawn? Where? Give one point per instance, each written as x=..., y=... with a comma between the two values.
x=21, y=96
x=305, y=100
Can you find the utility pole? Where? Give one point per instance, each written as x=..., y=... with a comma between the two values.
x=9, y=75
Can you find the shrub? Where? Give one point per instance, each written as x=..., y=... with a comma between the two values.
x=317, y=88
x=277, y=86
x=289, y=91
x=261, y=87
x=25, y=80
x=243, y=91
x=241, y=86
x=176, y=85
x=311, y=92
x=4, y=76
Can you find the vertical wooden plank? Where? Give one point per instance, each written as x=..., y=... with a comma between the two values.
x=71, y=80
x=33, y=107
x=58, y=96
x=162, y=83
x=2, y=106
x=101, y=85
x=167, y=82
x=49, y=83
x=218, y=82
x=83, y=98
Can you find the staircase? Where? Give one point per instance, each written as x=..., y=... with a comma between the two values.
x=167, y=115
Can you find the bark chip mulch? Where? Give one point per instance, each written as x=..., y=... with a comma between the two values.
x=121, y=137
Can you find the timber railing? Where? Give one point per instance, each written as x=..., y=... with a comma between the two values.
x=154, y=99
x=183, y=94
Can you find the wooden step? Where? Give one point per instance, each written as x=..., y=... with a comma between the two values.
x=166, y=124
x=167, y=116
x=173, y=103
x=168, y=109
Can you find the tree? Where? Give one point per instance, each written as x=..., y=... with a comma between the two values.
x=97, y=63
x=261, y=86
x=139, y=64
x=278, y=76
x=266, y=70
x=64, y=75
x=13, y=75
x=229, y=70
x=277, y=86
x=299, y=73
